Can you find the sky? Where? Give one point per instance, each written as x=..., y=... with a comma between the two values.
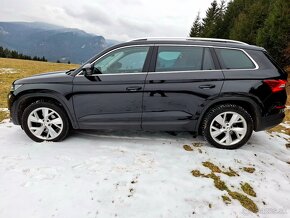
x=113, y=19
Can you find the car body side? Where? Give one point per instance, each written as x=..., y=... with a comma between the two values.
x=180, y=93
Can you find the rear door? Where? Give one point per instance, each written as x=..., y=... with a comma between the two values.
x=184, y=78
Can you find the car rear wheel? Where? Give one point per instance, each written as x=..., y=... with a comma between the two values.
x=227, y=126
x=45, y=121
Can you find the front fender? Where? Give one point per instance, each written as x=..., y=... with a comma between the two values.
x=65, y=101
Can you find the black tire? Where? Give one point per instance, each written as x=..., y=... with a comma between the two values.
x=214, y=112
x=66, y=126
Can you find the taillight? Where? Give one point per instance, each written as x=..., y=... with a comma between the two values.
x=276, y=85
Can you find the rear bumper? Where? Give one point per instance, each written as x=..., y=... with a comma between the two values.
x=270, y=121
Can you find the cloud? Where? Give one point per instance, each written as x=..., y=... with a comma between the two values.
x=92, y=14
x=116, y=19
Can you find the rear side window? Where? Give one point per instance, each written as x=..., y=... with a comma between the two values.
x=234, y=59
x=183, y=58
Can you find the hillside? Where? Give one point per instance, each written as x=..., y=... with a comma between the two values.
x=53, y=42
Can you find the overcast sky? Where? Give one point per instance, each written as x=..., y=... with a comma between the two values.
x=113, y=19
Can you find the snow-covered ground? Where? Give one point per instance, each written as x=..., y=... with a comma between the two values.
x=137, y=174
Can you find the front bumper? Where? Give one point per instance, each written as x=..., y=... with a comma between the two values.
x=11, y=108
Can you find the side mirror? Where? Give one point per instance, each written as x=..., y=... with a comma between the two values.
x=88, y=69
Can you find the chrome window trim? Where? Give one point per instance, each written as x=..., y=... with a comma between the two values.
x=181, y=45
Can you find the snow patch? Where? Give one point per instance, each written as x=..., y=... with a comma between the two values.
x=136, y=174
x=4, y=109
x=8, y=70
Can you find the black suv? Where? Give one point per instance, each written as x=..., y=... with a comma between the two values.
x=222, y=89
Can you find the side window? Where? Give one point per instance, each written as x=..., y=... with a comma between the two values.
x=183, y=58
x=124, y=60
x=234, y=59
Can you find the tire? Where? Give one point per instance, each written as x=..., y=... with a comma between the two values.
x=54, y=127
x=227, y=126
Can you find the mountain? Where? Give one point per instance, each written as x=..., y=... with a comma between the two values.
x=51, y=41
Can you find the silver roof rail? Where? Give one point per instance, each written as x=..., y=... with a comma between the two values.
x=191, y=38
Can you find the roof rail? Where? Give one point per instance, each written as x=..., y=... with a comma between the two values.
x=191, y=38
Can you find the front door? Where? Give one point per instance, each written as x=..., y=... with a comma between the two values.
x=112, y=96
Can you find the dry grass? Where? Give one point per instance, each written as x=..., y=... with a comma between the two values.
x=3, y=115
x=12, y=69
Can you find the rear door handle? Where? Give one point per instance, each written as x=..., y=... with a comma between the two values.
x=207, y=86
x=133, y=88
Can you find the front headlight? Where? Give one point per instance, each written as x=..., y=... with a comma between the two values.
x=14, y=87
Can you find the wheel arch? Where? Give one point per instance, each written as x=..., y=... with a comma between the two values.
x=26, y=98
x=250, y=105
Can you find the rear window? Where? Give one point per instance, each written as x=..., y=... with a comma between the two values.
x=234, y=59
x=183, y=58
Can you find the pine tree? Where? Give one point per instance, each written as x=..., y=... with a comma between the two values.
x=220, y=19
x=209, y=22
x=196, y=27
x=275, y=34
x=249, y=21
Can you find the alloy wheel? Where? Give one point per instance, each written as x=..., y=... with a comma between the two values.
x=228, y=128
x=45, y=123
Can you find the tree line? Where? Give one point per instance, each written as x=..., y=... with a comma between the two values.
x=6, y=53
x=265, y=23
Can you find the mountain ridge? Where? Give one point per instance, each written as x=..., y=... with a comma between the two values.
x=51, y=41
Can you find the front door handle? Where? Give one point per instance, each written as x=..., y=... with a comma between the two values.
x=207, y=86
x=133, y=88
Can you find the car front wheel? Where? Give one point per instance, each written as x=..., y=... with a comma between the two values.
x=45, y=121
x=227, y=126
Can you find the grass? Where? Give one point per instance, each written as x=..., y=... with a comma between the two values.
x=23, y=68
x=3, y=115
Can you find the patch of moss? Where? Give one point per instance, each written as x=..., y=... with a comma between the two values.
x=215, y=169
x=248, y=189
x=196, y=173
x=244, y=201
x=218, y=183
x=187, y=148
x=212, y=167
x=226, y=199
x=230, y=172
x=197, y=144
x=221, y=185
x=249, y=169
